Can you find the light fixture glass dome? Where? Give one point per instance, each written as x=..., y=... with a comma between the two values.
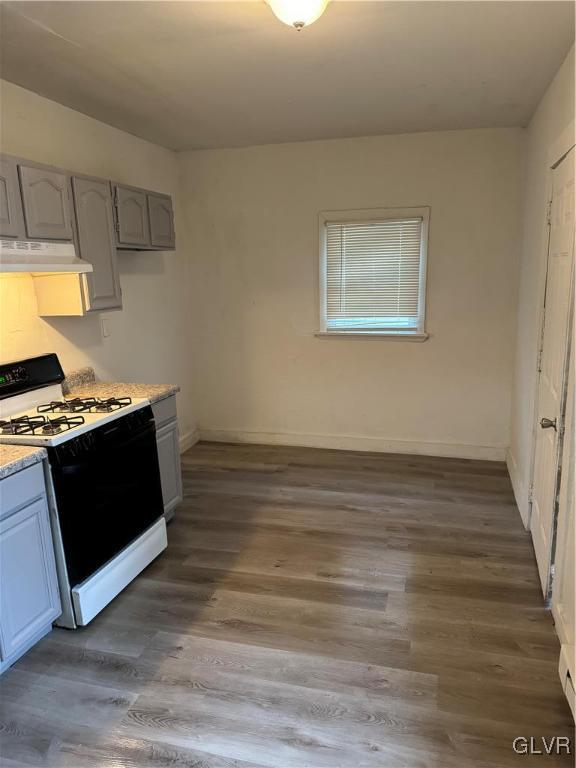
x=298, y=13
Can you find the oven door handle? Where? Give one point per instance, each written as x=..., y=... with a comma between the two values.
x=88, y=452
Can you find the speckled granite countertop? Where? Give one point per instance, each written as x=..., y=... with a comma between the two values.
x=82, y=383
x=13, y=458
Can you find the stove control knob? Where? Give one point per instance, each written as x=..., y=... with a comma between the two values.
x=80, y=444
x=87, y=441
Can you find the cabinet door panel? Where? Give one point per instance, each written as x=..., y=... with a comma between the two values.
x=28, y=582
x=11, y=215
x=46, y=200
x=170, y=472
x=132, y=213
x=161, y=221
x=95, y=222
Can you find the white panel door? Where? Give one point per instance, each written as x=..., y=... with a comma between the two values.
x=553, y=366
x=564, y=586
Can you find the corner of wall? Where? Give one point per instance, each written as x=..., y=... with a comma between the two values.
x=520, y=490
x=188, y=439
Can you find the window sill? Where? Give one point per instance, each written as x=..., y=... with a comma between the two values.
x=372, y=335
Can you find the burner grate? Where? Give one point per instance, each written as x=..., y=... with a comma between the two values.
x=23, y=425
x=85, y=404
x=112, y=404
x=31, y=425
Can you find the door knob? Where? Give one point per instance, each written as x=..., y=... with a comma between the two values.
x=548, y=423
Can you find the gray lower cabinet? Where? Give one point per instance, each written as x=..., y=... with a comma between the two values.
x=97, y=242
x=161, y=221
x=30, y=599
x=132, y=225
x=46, y=202
x=168, y=444
x=11, y=214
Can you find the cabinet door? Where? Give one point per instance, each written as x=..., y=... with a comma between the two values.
x=46, y=200
x=161, y=221
x=11, y=216
x=28, y=582
x=170, y=472
x=132, y=215
x=97, y=242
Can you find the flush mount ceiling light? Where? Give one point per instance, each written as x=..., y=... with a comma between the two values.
x=298, y=13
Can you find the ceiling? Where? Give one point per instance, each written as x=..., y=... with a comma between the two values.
x=191, y=75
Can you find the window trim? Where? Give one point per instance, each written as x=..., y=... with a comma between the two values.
x=353, y=216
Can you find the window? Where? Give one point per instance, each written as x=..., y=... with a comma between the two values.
x=373, y=272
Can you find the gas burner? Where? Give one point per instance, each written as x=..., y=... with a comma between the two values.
x=112, y=404
x=67, y=406
x=23, y=425
x=51, y=429
x=30, y=425
x=62, y=423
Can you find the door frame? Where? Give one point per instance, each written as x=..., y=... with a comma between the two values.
x=564, y=632
x=558, y=151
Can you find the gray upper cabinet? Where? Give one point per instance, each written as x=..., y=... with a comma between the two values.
x=161, y=221
x=46, y=201
x=97, y=242
x=133, y=227
x=11, y=215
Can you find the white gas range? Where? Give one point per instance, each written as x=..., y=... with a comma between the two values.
x=103, y=481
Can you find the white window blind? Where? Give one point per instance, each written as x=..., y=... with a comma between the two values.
x=373, y=275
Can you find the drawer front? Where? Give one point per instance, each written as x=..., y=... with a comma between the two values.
x=164, y=410
x=21, y=488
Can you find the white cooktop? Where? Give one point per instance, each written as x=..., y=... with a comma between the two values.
x=91, y=421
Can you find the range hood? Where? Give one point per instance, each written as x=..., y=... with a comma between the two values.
x=45, y=257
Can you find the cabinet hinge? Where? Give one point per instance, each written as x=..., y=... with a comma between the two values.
x=549, y=213
x=117, y=226
x=531, y=493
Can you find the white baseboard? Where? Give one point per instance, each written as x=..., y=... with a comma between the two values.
x=561, y=625
x=356, y=443
x=188, y=440
x=519, y=488
x=568, y=675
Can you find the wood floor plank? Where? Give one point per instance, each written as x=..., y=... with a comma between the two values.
x=314, y=608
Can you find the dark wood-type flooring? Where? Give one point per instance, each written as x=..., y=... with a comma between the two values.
x=314, y=609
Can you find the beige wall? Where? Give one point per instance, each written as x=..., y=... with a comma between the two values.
x=148, y=340
x=553, y=116
x=262, y=373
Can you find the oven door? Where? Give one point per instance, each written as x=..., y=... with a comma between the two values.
x=107, y=486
